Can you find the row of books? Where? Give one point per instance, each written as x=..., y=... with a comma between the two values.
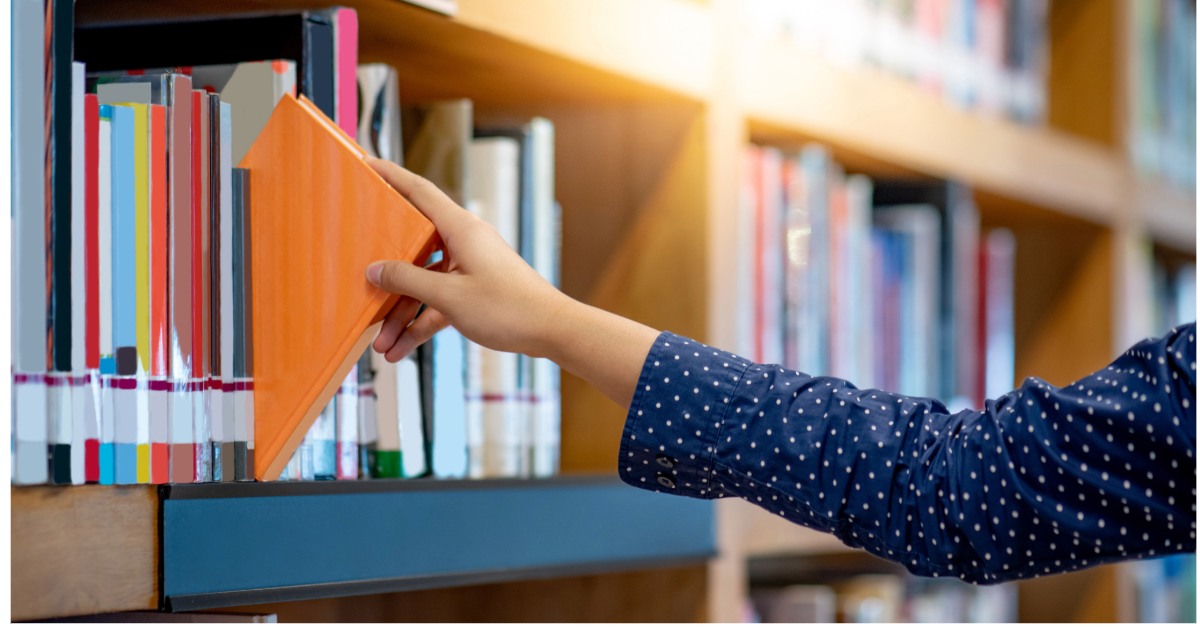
x=464, y=410
x=890, y=285
x=1162, y=89
x=989, y=55
x=133, y=349
x=887, y=598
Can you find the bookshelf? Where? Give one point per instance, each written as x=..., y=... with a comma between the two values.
x=652, y=102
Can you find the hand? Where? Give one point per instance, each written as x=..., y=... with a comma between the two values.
x=481, y=286
x=488, y=293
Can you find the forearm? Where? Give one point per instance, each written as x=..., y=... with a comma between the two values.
x=605, y=350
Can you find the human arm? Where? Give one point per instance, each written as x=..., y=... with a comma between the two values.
x=975, y=494
x=1043, y=480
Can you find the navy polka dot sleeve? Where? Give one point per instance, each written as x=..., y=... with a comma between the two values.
x=1043, y=480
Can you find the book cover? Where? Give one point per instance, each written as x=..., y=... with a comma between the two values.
x=307, y=336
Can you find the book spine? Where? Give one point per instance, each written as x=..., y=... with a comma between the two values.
x=345, y=71
x=387, y=419
x=180, y=281
x=78, y=386
x=158, y=390
x=243, y=467
x=141, y=285
x=222, y=292
x=28, y=243
x=124, y=297
x=450, y=440
x=201, y=418
x=92, y=287
x=411, y=412
x=347, y=426
x=368, y=438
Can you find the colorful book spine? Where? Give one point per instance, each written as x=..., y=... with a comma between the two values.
x=124, y=292
x=108, y=360
x=179, y=167
x=345, y=72
x=222, y=288
x=158, y=257
x=141, y=287
x=201, y=419
x=92, y=282
x=386, y=460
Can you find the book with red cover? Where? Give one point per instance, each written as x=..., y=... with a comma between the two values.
x=320, y=215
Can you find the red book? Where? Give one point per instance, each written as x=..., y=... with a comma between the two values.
x=91, y=268
x=160, y=469
x=91, y=217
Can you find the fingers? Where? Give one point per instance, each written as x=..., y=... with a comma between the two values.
x=401, y=314
x=433, y=203
x=421, y=330
x=399, y=277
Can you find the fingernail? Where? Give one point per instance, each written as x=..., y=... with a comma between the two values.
x=374, y=272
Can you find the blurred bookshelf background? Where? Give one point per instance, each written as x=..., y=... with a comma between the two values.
x=760, y=175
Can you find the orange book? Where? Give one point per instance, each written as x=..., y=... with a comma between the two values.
x=320, y=215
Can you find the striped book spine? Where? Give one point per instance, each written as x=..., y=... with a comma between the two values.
x=124, y=292
x=347, y=426
x=79, y=390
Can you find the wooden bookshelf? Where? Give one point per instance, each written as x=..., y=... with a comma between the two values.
x=653, y=101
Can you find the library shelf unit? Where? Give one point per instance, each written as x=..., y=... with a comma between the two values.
x=653, y=102
x=193, y=547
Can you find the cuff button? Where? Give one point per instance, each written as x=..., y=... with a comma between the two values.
x=666, y=481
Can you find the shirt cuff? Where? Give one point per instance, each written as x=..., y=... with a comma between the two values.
x=676, y=416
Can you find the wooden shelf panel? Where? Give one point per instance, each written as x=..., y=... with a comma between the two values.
x=236, y=549
x=83, y=550
x=1168, y=213
x=867, y=112
x=666, y=43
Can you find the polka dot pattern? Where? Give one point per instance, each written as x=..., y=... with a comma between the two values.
x=1042, y=480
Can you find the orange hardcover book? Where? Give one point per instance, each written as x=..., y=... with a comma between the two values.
x=320, y=215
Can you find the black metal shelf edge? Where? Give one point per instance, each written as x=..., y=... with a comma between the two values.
x=202, y=601
x=245, y=490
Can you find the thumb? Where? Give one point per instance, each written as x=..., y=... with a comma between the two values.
x=401, y=278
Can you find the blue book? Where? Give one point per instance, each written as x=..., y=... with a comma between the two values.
x=124, y=293
x=449, y=428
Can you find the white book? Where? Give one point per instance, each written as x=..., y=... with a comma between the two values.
x=347, y=426
x=494, y=188
x=547, y=237
x=412, y=430
x=78, y=382
x=387, y=416
x=28, y=239
x=1000, y=362
x=473, y=407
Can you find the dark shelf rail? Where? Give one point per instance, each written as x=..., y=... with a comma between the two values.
x=253, y=543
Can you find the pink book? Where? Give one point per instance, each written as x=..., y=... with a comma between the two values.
x=345, y=41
